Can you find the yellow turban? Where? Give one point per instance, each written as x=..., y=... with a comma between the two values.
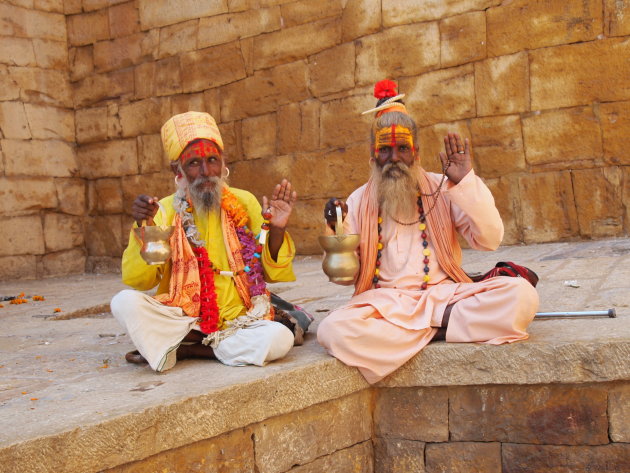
x=181, y=129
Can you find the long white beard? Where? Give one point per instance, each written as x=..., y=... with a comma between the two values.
x=203, y=198
x=397, y=189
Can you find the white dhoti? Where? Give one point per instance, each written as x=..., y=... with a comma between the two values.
x=157, y=330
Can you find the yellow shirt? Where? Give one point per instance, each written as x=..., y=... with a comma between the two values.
x=141, y=276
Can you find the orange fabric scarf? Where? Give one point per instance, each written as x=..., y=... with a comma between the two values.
x=439, y=224
x=185, y=286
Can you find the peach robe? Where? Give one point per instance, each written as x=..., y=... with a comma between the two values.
x=381, y=329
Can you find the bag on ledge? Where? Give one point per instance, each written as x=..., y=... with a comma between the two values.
x=507, y=268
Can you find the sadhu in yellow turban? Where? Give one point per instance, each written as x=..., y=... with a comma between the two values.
x=180, y=130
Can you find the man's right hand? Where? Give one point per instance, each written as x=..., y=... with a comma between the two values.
x=330, y=211
x=144, y=208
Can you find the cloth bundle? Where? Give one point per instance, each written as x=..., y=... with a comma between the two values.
x=507, y=268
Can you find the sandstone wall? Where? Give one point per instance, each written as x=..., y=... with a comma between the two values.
x=490, y=428
x=541, y=87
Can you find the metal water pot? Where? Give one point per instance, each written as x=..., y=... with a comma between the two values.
x=341, y=263
x=156, y=248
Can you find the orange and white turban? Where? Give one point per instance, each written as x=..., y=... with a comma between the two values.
x=181, y=129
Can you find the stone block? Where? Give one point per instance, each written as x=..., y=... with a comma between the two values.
x=105, y=197
x=565, y=459
x=167, y=79
x=71, y=195
x=188, y=102
x=356, y=459
x=158, y=184
x=560, y=138
x=157, y=13
x=18, y=267
x=412, y=414
x=264, y=92
x=13, y=122
x=108, y=159
x=19, y=195
x=523, y=25
x=81, y=62
x=598, y=194
x=150, y=153
x=441, y=96
x=143, y=117
x=506, y=198
x=615, y=123
x=342, y=123
x=458, y=457
x=51, y=54
x=212, y=67
x=463, y=38
x=47, y=158
x=48, y=122
x=292, y=44
x=178, y=38
x=62, y=232
x=579, y=74
x=21, y=236
x=222, y=29
x=119, y=53
x=9, y=88
x=55, y=6
x=497, y=144
x=625, y=197
x=399, y=12
x=616, y=18
x=29, y=23
x=259, y=136
x=62, y=263
x=144, y=80
x=104, y=235
x=17, y=52
x=91, y=5
x=88, y=28
x=332, y=70
x=388, y=53
x=228, y=453
x=548, y=414
x=72, y=7
x=360, y=18
x=502, y=85
x=431, y=143
x=102, y=264
x=42, y=85
x=306, y=11
x=260, y=176
x=312, y=432
x=91, y=124
x=548, y=207
x=306, y=224
x=398, y=456
x=619, y=413
x=232, y=142
x=124, y=20
x=99, y=87
x=114, y=126
x=298, y=127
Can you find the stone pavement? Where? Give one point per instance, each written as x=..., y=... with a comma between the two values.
x=64, y=374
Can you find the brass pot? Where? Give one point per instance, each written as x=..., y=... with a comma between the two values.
x=341, y=263
x=156, y=248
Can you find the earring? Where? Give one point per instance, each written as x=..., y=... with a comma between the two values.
x=227, y=173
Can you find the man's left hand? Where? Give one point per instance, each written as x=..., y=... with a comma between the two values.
x=458, y=155
x=281, y=204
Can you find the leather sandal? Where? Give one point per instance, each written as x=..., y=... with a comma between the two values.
x=135, y=357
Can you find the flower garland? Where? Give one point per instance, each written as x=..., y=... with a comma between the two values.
x=251, y=252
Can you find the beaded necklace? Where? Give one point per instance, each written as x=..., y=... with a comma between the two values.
x=251, y=252
x=422, y=225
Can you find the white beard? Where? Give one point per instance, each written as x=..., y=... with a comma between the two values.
x=397, y=190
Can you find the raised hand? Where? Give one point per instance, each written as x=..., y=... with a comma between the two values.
x=144, y=208
x=281, y=204
x=330, y=211
x=458, y=156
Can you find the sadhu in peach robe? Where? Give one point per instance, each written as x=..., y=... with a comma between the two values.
x=379, y=330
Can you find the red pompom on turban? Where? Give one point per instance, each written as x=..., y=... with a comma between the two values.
x=385, y=89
